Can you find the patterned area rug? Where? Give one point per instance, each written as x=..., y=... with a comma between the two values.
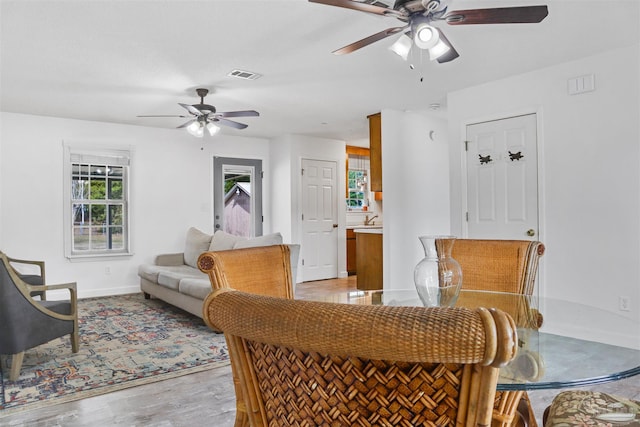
x=125, y=341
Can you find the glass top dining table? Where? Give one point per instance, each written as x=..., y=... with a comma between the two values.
x=556, y=346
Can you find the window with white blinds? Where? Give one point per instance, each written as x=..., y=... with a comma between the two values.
x=97, y=202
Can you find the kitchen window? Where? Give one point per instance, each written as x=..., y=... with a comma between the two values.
x=357, y=182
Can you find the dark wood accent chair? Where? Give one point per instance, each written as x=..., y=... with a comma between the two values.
x=317, y=363
x=28, y=323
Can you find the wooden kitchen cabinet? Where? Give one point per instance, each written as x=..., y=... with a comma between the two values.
x=351, y=252
x=375, y=152
x=369, y=260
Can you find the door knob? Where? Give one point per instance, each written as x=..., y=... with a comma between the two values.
x=531, y=232
x=335, y=225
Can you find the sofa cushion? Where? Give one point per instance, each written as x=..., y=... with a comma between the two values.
x=266, y=240
x=171, y=276
x=222, y=241
x=196, y=243
x=197, y=288
x=151, y=271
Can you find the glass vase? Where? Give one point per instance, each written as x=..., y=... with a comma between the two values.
x=438, y=277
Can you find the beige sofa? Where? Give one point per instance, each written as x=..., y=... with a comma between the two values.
x=176, y=279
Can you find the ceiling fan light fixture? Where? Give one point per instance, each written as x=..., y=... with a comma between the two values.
x=425, y=36
x=402, y=46
x=212, y=128
x=194, y=126
x=199, y=133
x=196, y=129
x=438, y=50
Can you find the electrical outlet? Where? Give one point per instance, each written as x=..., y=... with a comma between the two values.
x=624, y=303
x=107, y=270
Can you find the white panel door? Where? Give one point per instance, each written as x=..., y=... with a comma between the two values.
x=319, y=247
x=502, y=179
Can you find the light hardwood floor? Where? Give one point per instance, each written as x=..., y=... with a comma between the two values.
x=205, y=398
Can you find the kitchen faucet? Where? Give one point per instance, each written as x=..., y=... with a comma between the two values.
x=369, y=221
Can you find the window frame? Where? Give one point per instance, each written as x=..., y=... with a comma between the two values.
x=357, y=160
x=355, y=190
x=88, y=157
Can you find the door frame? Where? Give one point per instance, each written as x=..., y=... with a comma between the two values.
x=218, y=195
x=540, y=166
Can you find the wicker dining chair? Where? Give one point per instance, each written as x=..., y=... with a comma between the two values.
x=502, y=266
x=498, y=265
x=317, y=363
x=264, y=270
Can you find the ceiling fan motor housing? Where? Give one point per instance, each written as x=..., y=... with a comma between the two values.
x=202, y=107
x=411, y=7
x=205, y=108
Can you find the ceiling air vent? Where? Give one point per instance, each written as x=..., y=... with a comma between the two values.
x=241, y=74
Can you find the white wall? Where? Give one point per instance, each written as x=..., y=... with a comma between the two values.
x=415, y=184
x=589, y=163
x=281, y=191
x=171, y=190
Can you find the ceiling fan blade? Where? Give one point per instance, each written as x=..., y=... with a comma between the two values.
x=166, y=115
x=246, y=113
x=191, y=109
x=230, y=123
x=362, y=7
x=500, y=15
x=368, y=40
x=184, y=125
x=449, y=55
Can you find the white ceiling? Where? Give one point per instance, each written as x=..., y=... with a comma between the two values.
x=113, y=60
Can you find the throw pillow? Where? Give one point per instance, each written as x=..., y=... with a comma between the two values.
x=222, y=241
x=197, y=242
x=266, y=240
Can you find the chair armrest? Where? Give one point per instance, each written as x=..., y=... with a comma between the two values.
x=170, y=259
x=72, y=287
x=26, y=261
x=40, y=264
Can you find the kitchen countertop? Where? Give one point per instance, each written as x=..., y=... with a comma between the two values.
x=369, y=229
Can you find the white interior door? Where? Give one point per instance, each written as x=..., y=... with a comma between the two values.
x=502, y=179
x=319, y=247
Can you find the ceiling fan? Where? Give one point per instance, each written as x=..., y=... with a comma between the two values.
x=419, y=14
x=204, y=116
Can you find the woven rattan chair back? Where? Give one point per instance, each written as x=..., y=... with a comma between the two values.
x=264, y=270
x=308, y=363
x=498, y=265
x=503, y=266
